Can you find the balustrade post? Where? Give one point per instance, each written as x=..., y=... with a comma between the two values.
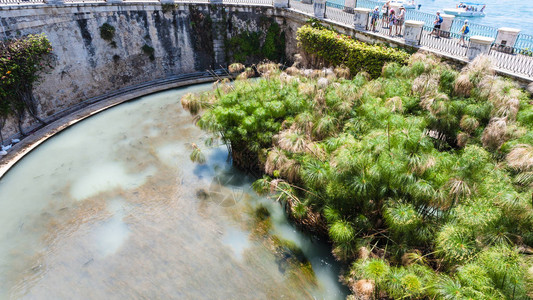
x=413, y=32
x=281, y=3
x=320, y=9
x=478, y=45
x=506, y=39
x=360, y=18
x=349, y=5
x=446, y=26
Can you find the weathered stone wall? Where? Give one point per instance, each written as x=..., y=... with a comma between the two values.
x=184, y=38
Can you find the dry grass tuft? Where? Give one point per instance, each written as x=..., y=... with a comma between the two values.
x=342, y=72
x=298, y=59
x=481, y=66
x=363, y=253
x=292, y=140
x=307, y=89
x=530, y=88
x=267, y=68
x=304, y=122
x=426, y=85
x=292, y=71
x=249, y=72
x=322, y=83
x=236, y=68
x=192, y=103
x=320, y=100
x=242, y=76
x=469, y=123
x=375, y=88
x=364, y=289
x=495, y=134
x=275, y=159
x=395, y=104
x=421, y=166
x=462, y=139
x=436, y=105
x=428, y=59
x=521, y=158
x=463, y=86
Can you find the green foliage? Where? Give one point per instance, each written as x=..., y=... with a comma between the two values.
x=21, y=60
x=148, y=51
x=258, y=44
x=381, y=161
x=168, y=7
x=107, y=32
x=274, y=45
x=340, y=49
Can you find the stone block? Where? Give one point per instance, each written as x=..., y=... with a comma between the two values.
x=478, y=45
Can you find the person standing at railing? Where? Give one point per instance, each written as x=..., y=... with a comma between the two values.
x=436, y=24
x=464, y=31
x=400, y=19
x=385, y=9
x=375, y=18
x=392, y=20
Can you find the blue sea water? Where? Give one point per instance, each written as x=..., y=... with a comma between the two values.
x=498, y=13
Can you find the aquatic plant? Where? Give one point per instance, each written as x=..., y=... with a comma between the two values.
x=422, y=184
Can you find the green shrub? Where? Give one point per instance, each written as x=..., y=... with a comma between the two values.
x=107, y=32
x=148, y=51
x=338, y=49
x=21, y=60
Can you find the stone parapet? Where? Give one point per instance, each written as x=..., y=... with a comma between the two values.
x=478, y=45
x=413, y=32
x=360, y=18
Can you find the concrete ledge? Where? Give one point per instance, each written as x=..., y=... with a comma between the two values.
x=413, y=23
x=362, y=10
x=509, y=29
x=483, y=40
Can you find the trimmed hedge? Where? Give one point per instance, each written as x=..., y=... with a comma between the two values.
x=338, y=49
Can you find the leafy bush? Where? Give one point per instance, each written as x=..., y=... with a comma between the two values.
x=148, y=51
x=107, y=32
x=338, y=49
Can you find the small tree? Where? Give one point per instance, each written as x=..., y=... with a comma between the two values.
x=20, y=62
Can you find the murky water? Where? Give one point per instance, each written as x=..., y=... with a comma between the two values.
x=113, y=208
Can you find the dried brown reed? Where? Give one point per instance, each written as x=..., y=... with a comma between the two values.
x=495, y=134
x=236, y=67
x=521, y=158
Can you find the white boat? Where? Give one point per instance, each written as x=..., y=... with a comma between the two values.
x=467, y=9
x=407, y=4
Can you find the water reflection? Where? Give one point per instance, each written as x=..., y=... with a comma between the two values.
x=113, y=208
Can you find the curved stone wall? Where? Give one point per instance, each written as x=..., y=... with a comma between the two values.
x=185, y=38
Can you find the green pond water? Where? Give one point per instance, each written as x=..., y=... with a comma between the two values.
x=113, y=208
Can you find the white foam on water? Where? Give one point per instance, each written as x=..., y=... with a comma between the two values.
x=111, y=234
x=105, y=177
x=237, y=240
